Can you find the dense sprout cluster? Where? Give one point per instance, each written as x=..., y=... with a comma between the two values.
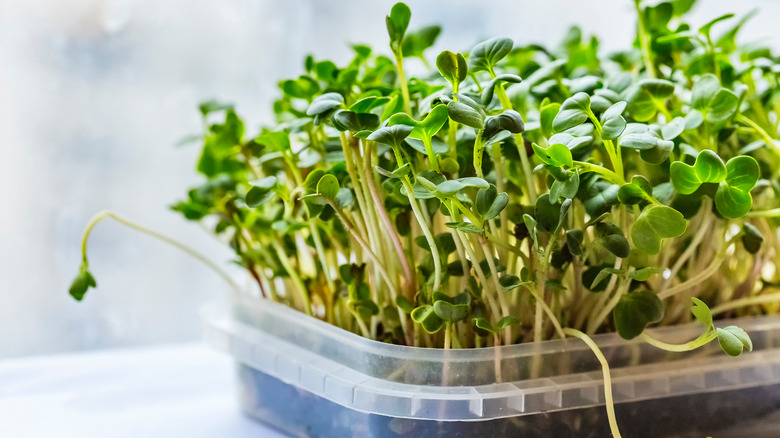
x=513, y=192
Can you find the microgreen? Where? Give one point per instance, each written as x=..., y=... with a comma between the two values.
x=508, y=187
x=635, y=310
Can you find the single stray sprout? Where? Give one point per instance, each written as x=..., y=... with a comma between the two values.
x=733, y=340
x=511, y=193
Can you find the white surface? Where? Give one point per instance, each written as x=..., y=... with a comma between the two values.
x=173, y=391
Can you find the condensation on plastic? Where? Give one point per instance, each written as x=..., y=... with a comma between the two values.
x=462, y=385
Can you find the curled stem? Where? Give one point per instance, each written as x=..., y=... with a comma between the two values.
x=610, y=403
x=200, y=257
x=688, y=346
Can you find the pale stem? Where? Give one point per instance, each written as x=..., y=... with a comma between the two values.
x=610, y=404
x=200, y=257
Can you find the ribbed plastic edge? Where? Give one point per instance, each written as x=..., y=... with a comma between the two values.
x=328, y=379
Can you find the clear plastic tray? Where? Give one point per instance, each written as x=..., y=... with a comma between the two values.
x=312, y=379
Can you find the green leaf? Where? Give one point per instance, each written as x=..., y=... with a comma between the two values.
x=635, y=311
x=426, y=184
x=701, y=312
x=566, y=187
x=602, y=277
x=613, y=123
x=733, y=199
x=366, y=104
x=324, y=103
x=507, y=321
x=365, y=308
x=452, y=66
x=657, y=17
x=326, y=71
x=344, y=198
x=404, y=304
x=466, y=115
x=509, y=120
x=530, y=224
x=397, y=173
x=392, y=136
x=345, y=120
x=576, y=145
x=610, y=236
x=267, y=183
x=731, y=202
x=485, y=198
x=673, y=129
x=498, y=205
x=658, y=88
x=415, y=43
x=680, y=7
x=727, y=42
x=708, y=168
x=546, y=116
x=722, y=106
x=486, y=55
x=212, y=106
x=574, y=239
x=647, y=96
x=715, y=103
x=451, y=312
x=612, y=128
x=426, y=316
x=638, y=190
x=426, y=128
x=590, y=274
x=313, y=206
x=547, y=214
x=733, y=340
x=557, y=155
x=751, y=238
x=638, y=136
x=509, y=282
x=573, y=112
x=644, y=274
x=693, y=120
x=461, y=298
x=397, y=23
x=599, y=196
x=705, y=30
x=742, y=172
x=450, y=187
x=465, y=227
x=489, y=88
x=655, y=223
x=449, y=165
x=704, y=89
x=302, y=88
x=328, y=187
x=278, y=141
x=648, y=141
x=395, y=105
x=482, y=325
x=613, y=111
x=260, y=192
x=83, y=281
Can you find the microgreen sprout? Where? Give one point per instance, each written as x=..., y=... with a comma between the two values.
x=513, y=194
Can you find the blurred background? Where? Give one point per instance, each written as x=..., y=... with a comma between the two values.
x=95, y=95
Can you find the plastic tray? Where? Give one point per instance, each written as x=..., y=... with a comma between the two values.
x=312, y=379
